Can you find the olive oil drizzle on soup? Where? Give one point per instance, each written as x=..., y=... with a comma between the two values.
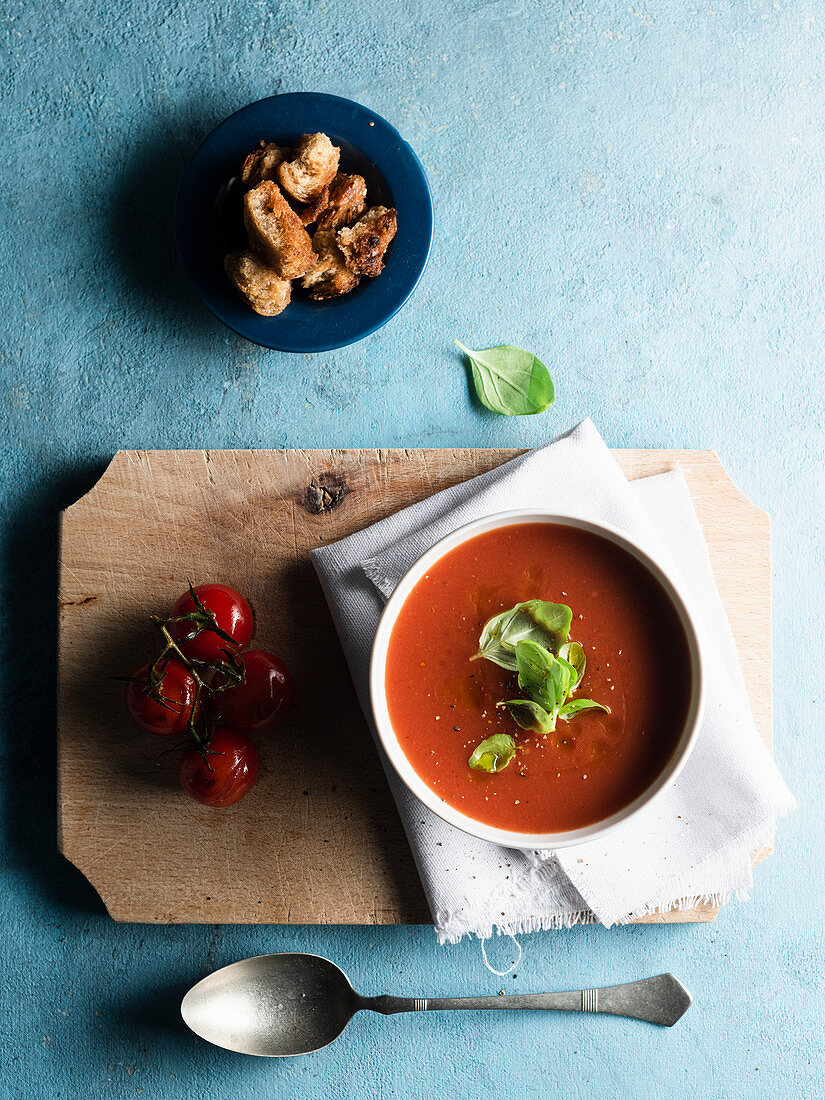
x=442, y=704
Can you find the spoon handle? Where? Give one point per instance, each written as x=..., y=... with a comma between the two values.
x=660, y=1000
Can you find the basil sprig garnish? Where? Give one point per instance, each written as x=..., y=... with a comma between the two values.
x=548, y=680
x=510, y=380
x=531, y=639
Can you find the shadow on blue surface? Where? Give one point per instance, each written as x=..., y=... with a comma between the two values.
x=140, y=210
x=155, y=1012
x=30, y=668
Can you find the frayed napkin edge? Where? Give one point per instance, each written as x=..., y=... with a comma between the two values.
x=452, y=927
x=375, y=575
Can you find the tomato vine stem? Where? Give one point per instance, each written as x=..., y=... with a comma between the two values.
x=228, y=672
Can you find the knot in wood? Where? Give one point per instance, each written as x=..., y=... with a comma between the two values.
x=324, y=493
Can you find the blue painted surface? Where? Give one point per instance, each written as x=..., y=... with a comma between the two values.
x=632, y=190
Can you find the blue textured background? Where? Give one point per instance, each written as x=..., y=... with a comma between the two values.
x=633, y=190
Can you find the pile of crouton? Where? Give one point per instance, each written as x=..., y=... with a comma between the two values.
x=349, y=239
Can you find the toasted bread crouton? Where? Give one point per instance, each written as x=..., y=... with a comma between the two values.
x=268, y=294
x=365, y=243
x=263, y=164
x=340, y=203
x=275, y=231
x=346, y=203
x=314, y=166
x=313, y=210
x=329, y=277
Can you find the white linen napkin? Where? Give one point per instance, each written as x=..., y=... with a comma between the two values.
x=694, y=843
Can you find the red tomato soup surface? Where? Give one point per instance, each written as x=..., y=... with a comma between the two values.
x=442, y=704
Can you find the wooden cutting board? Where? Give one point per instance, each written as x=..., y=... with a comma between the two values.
x=318, y=839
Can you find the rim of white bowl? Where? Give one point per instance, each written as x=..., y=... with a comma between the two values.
x=423, y=792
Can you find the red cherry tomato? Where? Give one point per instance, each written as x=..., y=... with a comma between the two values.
x=177, y=687
x=261, y=700
x=233, y=616
x=227, y=776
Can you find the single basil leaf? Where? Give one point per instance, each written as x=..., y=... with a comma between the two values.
x=494, y=753
x=571, y=675
x=575, y=706
x=534, y=663
x=510, y=380
x=544, y=677
x=557, y=685
x=573, y=652
x=539, y=621
x=529, y=715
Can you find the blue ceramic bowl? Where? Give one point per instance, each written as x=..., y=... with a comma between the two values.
x=208, y=219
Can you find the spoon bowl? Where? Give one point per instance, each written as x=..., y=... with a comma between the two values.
x=272, y=1005
x=277, y=1006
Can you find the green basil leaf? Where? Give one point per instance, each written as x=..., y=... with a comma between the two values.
x=545, y=678
x=570, y=674
x=494, y=753
x=575, y=706
x=510, y=380
x=529, y=715
x=534, y=664
x=573, y=652
x=539, y=621
x=557, y=684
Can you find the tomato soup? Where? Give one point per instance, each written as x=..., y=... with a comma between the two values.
x=442, y=704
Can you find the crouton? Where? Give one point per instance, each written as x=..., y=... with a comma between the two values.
x=268, y=294
x=314, y=166
x=263, y=164
x=275, y=231
x=346, y=202
x=329, y=276
x=365, y=243
x=313, y=210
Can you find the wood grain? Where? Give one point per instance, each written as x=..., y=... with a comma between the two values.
x=318, y=840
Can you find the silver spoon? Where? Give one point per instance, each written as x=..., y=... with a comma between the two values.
x=279, y=1005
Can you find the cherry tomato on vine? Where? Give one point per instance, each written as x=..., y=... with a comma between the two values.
x=177, y=689
x=261, y=700
x=228, y=772
x=232, y=614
